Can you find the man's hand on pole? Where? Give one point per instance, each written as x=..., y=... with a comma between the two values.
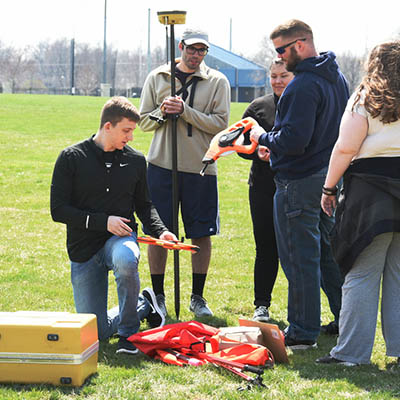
x=172, y=105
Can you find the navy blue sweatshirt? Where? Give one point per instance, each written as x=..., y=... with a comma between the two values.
x=308, y=118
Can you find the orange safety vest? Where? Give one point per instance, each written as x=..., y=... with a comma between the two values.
x=193, y=340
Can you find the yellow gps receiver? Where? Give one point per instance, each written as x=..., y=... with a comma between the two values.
x=171, y=17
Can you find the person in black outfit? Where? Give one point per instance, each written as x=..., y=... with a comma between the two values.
x=97, y=186
x=261, y=194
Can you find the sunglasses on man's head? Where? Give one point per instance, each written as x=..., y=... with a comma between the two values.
x=282, y=49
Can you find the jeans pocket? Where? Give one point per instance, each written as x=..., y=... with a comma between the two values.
x=294, y=213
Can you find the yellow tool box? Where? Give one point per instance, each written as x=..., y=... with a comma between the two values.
x=47, y=347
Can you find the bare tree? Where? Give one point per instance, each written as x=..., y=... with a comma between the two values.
x=15, y=66
x=46, y=68
x=88, y=68
x=266, y=53
x=53, y=60
x=352, y=68
x=132, y=68
x=29, y=77
x=157, y=57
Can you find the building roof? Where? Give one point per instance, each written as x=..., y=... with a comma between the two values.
x=240, y=71
x=231, y=58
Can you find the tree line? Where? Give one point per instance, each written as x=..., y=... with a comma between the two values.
x=47, y=67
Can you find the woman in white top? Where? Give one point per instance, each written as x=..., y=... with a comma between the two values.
x=366, y=237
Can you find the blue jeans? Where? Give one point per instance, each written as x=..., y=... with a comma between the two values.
x=90, y=285
x=302, y=230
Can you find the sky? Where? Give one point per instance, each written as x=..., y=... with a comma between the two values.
x=341, y=26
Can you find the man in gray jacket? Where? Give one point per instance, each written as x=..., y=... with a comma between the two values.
x=202, y=102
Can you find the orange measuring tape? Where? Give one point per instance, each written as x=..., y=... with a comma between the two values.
x=230, y=140
x=168, y=244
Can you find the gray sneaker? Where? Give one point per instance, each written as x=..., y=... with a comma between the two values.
x=161, y=304
x=198, y=306
x=261, y=314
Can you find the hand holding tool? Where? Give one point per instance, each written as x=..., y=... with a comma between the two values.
x=168, y=244
x=230, y=140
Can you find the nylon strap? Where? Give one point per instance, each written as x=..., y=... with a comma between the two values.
x=183, y=90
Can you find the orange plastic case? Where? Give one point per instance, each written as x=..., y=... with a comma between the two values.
x=47, y=347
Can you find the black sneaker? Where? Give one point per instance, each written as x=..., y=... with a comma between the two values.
x=294, y=344
x=125, y=346
x=328, y=359
x=331, y=329
x=156, y=317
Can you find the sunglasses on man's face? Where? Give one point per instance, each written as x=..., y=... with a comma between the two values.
x=282, y=49
x=202, y=51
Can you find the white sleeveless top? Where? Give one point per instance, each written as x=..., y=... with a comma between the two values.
x=383, y=140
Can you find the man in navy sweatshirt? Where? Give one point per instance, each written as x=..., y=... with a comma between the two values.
x=301, y=141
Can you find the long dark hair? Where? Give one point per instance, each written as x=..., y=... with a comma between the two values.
x=381, y=84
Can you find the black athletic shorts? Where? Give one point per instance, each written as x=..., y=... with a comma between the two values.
x=198, y=200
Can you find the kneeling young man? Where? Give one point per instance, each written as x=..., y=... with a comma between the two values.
x=97, y=186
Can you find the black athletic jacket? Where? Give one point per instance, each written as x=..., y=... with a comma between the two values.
x=84, y=193
x=262, y=110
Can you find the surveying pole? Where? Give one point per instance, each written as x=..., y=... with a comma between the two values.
x=172, y=18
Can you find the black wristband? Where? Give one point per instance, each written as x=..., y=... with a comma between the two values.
x=330, y=191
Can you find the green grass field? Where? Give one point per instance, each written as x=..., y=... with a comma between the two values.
x=34, y=273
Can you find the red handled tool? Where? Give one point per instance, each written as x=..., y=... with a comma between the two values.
x=233, y=364
x=230, y=140
x=257, y=381
x=168, y=244
x=235, y=367
x=182, y=357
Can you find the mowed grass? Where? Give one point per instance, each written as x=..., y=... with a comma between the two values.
x=34, y=273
